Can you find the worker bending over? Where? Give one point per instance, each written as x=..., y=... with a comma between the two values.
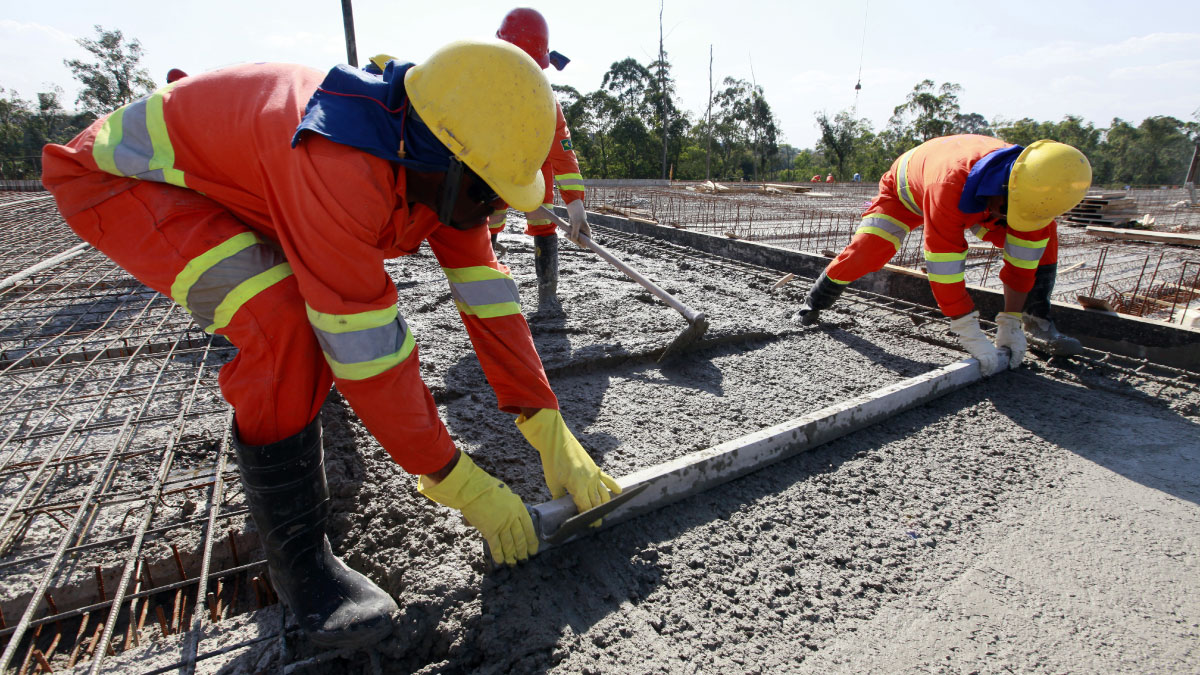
x=1004, y=194
x=264, y=199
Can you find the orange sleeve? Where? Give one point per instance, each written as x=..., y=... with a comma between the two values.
x=331, y=205
x=489, y=305
x=564, y=165
x=945, y=235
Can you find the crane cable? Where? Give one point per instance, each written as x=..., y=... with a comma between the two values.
x=862, y=49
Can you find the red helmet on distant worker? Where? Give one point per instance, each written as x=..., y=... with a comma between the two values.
x=527, y=29
x=174, y=75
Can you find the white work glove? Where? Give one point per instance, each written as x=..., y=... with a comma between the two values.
x=975, y=341
x=1010, y=334
x=579, y=224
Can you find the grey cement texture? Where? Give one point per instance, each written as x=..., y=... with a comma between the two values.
x=1044, y=520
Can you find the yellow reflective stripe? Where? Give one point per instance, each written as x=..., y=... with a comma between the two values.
x=366, y=369
x=904, y=188
x=458, y=275
x=243, y=292
x=867, y=229
x=565, y=176
x=201, y=264
x=945, y=257
x=1025, y=243
x=948, y=278
x=836, y=281
x=164, y=152
x=1023, y=264
x=104, y=146
x=348, y=323
x=489, y=311
x=959, y=258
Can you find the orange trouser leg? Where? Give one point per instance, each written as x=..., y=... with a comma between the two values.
x=866, y=253
x=279, y=378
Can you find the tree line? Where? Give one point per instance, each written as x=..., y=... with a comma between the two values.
x=632, y=126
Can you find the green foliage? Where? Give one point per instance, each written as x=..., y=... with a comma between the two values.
x=115, y=79
x=26, y=126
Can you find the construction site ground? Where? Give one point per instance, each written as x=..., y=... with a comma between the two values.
x=1043, y=520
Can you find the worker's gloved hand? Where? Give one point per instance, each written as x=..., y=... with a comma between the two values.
x=489, y=506
x=579, y=224
x=565, y=464
x=975, y=341
x=1009, y=333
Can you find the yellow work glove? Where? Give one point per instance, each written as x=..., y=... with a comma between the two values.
x=489, y=506
x=565, y=464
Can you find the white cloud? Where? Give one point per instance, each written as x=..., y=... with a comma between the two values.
x=1069, y=52
x=16, y=30
x=1178, y=72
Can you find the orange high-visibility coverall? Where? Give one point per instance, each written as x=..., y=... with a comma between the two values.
x=923, y=187
x=281, y=250
x=562, y=167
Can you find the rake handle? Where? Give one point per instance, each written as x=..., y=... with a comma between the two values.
x=687, y=312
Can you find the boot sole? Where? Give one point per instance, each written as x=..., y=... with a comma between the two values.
x=362, y=635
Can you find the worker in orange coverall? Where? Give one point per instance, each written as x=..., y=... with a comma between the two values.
x=1005, y=194
x=527, y=29
x=264, y=199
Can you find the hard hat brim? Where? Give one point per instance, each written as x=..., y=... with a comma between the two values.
x=521, y=197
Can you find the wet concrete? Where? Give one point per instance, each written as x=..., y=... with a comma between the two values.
x=1044, y=519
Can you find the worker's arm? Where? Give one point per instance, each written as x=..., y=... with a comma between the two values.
x=564, y=167
x=333, y=205
x=945, y=247
x=490, y=307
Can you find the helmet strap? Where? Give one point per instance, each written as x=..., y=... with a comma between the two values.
x=448, y=196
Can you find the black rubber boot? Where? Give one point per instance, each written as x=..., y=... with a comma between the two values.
x=288, y=498
x=497, y=247
x=1036, y=316
x=545, y=264
x=821, y=296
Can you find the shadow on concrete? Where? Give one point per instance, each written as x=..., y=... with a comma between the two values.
x=878, y=355
x=1146, y=443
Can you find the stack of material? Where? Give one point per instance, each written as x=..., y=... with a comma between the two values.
x=1107, y=209
x=637, y=215
x=749, y=188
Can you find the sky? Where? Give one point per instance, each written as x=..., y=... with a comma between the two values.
x=1013, y=59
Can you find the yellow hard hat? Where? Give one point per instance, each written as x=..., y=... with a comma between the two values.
x=1047, y=180
x=490, y=104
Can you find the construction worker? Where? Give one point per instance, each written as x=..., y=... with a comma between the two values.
x=857, y=178
x=815, y=179
x=829, y=178
x=264, y=198
x=527, y=29
x=1008, y=195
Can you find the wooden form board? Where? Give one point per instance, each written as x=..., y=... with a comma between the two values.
x=1180, y=238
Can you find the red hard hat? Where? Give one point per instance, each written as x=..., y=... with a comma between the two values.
x=175, y=74
x=527, y=29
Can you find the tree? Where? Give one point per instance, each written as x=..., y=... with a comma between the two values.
x=928, y=112
x=841, y=138
x=116, y=79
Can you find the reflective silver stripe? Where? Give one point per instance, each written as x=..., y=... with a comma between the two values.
x=885, y=224
x=902, y=185
x=486, y=292
x=945, y=267
x=212, y=287
x=364, y=345
x=1031, y=254
x=132, y=157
